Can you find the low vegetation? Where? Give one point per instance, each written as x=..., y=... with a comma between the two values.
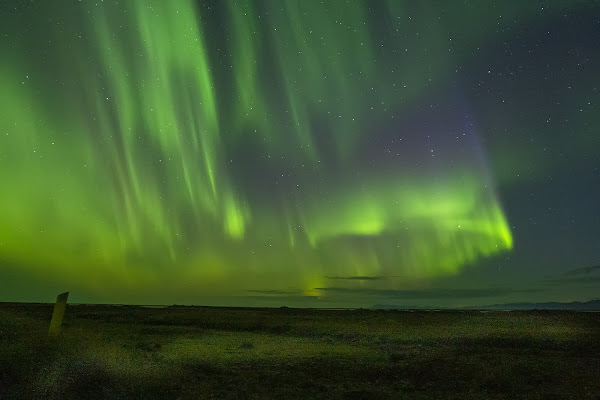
x=227, y=353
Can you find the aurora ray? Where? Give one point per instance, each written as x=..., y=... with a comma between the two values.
x=222, y=147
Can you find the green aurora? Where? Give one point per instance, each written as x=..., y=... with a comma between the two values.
x=216, y=148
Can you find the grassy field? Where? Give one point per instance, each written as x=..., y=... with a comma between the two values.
x=117, y=352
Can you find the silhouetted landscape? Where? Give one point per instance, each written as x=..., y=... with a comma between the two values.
x=109, y=352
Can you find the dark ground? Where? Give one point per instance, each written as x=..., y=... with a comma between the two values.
x=121, y=352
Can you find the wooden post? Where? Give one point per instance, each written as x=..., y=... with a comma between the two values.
x=58, y=314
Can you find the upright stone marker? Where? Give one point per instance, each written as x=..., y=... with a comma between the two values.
x=58, y=314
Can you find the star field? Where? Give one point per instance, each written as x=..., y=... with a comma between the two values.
x=165, y=151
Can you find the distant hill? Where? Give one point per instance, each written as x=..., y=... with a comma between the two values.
x=592, y=305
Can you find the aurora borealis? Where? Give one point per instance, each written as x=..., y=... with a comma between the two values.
x=162, y=151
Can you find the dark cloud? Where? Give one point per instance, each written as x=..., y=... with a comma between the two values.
x=583, y=271
x=573, y=280
x=359, y=278
x=576, y=276
x=274, y=292
x=439, y=293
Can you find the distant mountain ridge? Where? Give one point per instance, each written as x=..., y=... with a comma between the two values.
x=591, y=305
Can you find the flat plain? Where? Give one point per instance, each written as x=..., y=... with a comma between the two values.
x=122, y=352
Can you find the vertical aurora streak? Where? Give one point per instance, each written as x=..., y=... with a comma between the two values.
x=232, y=146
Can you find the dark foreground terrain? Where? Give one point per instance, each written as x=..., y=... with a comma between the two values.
x=202, y=353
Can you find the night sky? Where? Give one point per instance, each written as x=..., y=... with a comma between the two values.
x=301, y=153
